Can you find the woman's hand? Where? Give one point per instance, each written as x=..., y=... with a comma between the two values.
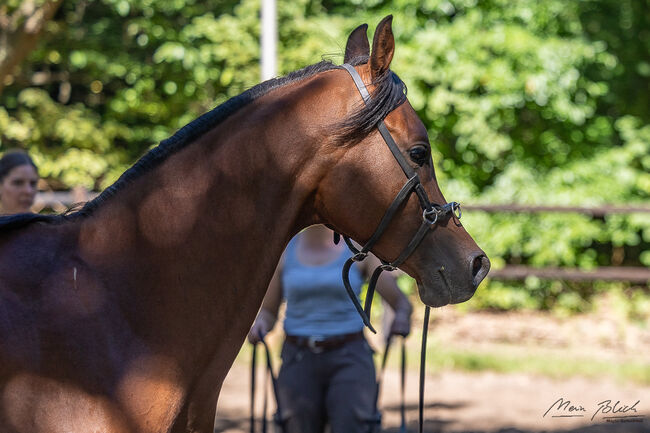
x=262, y=326
x=402, y=321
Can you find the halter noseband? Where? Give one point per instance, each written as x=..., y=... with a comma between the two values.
x=431, y=214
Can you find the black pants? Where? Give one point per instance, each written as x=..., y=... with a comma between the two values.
x=335, y=387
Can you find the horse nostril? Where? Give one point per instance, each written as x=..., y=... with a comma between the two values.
x=480, y=267
x=476, y=265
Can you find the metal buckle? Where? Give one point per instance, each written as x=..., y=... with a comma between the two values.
x=311, y=343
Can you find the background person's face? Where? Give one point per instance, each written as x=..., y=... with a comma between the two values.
x=18, y=189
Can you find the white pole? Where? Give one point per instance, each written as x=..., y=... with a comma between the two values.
x=269, y=40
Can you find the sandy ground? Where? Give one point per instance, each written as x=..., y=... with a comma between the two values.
x=505, y=403
x=485, y=402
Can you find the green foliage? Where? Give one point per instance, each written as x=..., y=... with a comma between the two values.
x=114, y=77
x=526, y=102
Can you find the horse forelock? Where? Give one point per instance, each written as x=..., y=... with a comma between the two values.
x=389, y=92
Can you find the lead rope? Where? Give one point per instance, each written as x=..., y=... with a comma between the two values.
x=252, y=405
x=402, y=405
x=279, y=420
x=423, y=357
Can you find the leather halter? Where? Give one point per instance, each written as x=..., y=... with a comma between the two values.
x=431, y=214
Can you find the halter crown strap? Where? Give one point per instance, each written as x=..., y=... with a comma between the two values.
x=381, y=126
x=358, y=82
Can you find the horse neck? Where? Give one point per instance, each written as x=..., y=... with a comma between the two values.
x=191, y=246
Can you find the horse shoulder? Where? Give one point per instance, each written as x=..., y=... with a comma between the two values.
x=26, y=258
x=44, y=291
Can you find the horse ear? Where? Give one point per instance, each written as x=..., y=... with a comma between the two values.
x=383, y=48
x=357, y=44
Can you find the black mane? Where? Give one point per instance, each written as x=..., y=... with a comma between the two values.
x=389, y=93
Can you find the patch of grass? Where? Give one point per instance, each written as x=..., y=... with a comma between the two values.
x=554, y=366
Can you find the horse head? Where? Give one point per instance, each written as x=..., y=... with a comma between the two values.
x=422, y=234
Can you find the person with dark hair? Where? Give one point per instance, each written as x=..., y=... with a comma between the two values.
x=18, y=180
x=327, y=374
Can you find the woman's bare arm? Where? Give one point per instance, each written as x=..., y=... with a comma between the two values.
x=268, y=314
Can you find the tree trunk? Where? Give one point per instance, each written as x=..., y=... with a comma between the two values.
x=19, y=33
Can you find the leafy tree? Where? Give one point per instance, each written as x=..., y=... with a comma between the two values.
x=528, y=102
x=21, y=23
x=114, y=77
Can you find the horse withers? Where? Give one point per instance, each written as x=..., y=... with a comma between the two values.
x=126, y=315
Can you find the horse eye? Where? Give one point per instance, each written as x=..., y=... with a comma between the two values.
x=419, y=155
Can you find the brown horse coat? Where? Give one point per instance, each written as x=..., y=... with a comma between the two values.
x=126, y=316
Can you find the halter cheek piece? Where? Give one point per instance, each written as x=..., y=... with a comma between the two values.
x=431, y=214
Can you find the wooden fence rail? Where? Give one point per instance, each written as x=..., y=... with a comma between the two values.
x=598, y=211
x=633, y=274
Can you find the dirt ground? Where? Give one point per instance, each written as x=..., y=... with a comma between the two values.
x=488, y=402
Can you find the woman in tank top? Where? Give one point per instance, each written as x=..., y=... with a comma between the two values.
x=327, y=375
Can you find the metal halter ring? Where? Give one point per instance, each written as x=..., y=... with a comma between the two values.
x=455, y=208
x=360, y=256
x=427, y=213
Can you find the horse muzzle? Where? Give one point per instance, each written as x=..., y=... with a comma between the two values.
x=453, y=283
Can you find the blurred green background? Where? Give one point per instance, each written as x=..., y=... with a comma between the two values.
x=531, y=102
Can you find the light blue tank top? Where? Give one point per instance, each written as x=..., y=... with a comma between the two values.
x=317, y=302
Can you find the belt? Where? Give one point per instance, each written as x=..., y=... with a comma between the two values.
x=318, y=344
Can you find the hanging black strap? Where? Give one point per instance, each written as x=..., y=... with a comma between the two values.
x=380, y=376
x=423, y=358
x=402, y=404
x=353, y=296
x=252, y=405
x=371, y=290
x=274, y=385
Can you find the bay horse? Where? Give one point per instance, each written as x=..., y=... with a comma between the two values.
x=125, y=315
